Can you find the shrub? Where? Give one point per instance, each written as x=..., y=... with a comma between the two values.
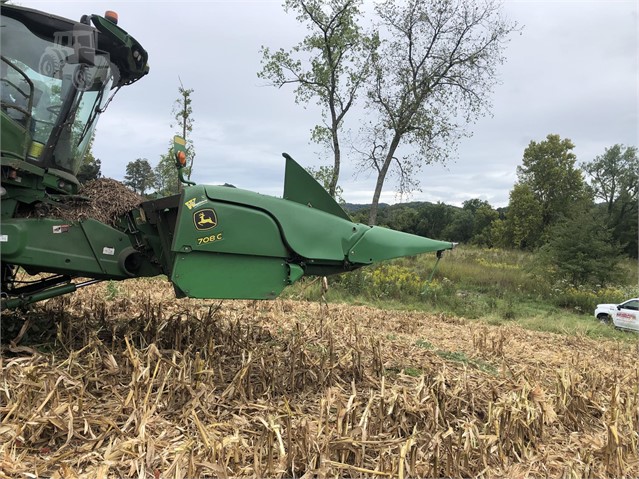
x=394, y=281
x=581, y=250
x=352, y=283
x=584, y=299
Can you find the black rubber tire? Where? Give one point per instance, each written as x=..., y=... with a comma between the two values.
x=604, y=318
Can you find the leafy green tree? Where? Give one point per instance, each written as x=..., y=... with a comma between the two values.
x=432, y=75
x=614, y=178
x=139, y=175
x=329, y=65
x=524, y=219
x=401, y=217
x=460, y=229
x=581, y=250
x=90, y=170
x=550, y=188
x=500, y=235
x=549, y=169
x=433, y=219
x=472, y=223
x=614, y=174
x=474, y=204
x=483, y=217
x=626, y=229
x=166, y=175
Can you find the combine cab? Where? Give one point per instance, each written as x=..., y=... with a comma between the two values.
x=210, y=241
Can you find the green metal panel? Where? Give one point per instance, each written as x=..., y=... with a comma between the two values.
x=301, y=187
x=121, y=46
x=8, y=207
x=205, y=275
x=23, y=166
x=295, y=273
x=25, y=188
x=14, y=137
x=379, y=244
x=309, y=232
x=205, y=225
x=87, y=248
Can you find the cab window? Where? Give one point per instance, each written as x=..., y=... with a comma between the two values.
x=633, y=305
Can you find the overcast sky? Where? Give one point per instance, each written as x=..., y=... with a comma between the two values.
x=572, y=71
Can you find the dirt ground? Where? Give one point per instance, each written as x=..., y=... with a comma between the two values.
x=130, y=382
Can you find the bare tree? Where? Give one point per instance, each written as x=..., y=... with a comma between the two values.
x=166, y=174
x=432, y=76
x=183, y=114
x=329, y=65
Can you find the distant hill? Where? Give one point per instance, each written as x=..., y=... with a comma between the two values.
x=355, y=207
x=432, y=220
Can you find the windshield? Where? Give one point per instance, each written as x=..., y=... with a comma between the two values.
x=54, y=89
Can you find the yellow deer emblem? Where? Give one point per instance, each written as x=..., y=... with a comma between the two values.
x=205, y=219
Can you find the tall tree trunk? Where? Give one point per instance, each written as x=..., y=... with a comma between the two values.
x=336, y=165
x=184, y=117
x=381, y=177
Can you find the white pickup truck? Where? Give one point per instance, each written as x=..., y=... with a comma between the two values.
x=624, y=315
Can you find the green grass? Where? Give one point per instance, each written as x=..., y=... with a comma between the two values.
x=421, y=343
x=453, y=356
x=413, y=372
x=461, y=357
x=537, y=316
x=112, y=290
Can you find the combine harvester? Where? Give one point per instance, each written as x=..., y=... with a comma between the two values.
x=58, y=76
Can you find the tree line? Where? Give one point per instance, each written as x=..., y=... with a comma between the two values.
x=581, y=218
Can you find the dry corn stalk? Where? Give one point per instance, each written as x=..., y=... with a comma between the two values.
x=146, y=387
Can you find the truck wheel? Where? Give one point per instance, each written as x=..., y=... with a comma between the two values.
x=604, y=318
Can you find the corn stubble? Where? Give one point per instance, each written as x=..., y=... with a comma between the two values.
x=142, y=386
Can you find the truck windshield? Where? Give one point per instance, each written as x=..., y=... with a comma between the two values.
x=54, y=89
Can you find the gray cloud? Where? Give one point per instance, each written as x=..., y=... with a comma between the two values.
x=572, y=71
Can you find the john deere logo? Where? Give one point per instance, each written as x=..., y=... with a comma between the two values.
x=205, y=219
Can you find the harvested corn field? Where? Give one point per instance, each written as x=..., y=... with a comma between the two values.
x=133, y=384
